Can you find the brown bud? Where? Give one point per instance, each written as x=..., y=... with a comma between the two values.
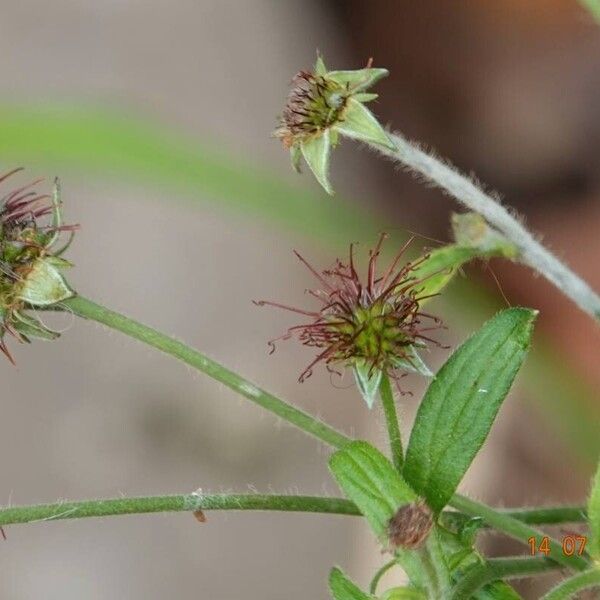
x=410, y=526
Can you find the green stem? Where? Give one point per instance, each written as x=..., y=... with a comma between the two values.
x=87, y=309
x=380, y=573
x=175, y=503
x=495, y=569
x=568, y=587
x=391, y=418
x=462, y=188
x=547, y=515
x=517, y=530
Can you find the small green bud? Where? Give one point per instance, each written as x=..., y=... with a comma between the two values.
x=323, y=105
x=472, y=231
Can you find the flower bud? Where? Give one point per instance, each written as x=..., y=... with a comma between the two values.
x=321, y=106
x=410, y=526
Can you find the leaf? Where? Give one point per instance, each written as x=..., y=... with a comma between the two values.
x=593, y=510
x=360, y=80
x=44, y=285
x=359, y=123
x=367, y=381
x=316, y=152
x=369, y=479
x=342, y=588
x=403, y=593
x=461, y=403
x=498, y=590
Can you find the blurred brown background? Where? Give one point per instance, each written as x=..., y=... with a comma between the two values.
x=509, y=90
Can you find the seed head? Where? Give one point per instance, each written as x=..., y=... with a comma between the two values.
x=410, y=526
x=30, y=228
x=321, y=106
x=373, y=326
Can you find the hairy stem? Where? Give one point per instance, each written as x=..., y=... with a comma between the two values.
x=517, y=530
x=495, y=569
x=391, y=418
x=175, y=503
x=577, y=583
x=545, y=515
x=462, y=189
x=87, y=309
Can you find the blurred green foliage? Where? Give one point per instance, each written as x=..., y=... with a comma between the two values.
x=111, y=145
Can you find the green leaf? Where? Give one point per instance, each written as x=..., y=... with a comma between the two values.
x=44, y=285
x=359, y=80
x=461, y=403
x=593, y=510
x=403, y=593
x=498, y=590
x=367, y=381
x=593, y=6
x=316, y=152
x=369, y=479
x=359, y=123
x=343, y=589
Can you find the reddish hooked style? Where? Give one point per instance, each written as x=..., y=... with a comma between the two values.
x=378, y=322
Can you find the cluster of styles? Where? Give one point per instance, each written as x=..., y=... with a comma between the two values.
x=30, y=260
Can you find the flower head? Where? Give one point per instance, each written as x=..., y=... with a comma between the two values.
x=373, y=326
x=321, y=106
x=30, y=228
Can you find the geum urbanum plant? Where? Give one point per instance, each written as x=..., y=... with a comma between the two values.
x=376, y=326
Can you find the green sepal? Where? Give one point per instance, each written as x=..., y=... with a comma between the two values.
x=44, y=285
x=358, y=122
x=367, y=380
x=29, y=327
x=370, y=480
x=365, y=97
x=593, y=510
x=316, y=152
x=320, y=68
x=342, y=588
x=360, y=80
x=295, y=155
x=403, y=593
x=413, y=364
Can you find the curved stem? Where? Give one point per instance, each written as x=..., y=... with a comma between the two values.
x=464, y=190
x=175, y=503
x=517, y=530
x=88, y=309
x=391, y=419
x=495, y=569
x=568, y=587
x=380, y=573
